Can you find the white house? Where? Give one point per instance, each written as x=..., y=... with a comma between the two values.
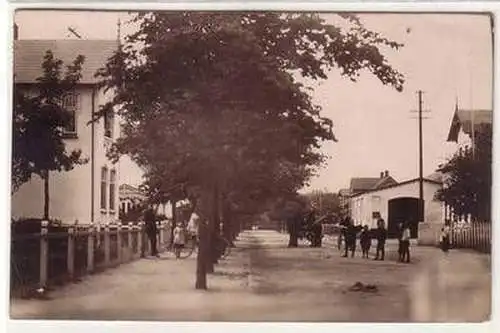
x=88, y=193
x=397, y=203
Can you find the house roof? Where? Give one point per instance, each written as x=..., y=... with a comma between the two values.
x=463, y=119
x=362, y=184
x=436, y=176
x=399, y=184
x=28, y=56
x=383, y=182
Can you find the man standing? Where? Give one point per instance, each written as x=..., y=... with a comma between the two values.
x=151, y=230
x=351, y=234
x=381, y=238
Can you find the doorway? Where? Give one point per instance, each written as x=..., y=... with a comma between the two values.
x=400, y=210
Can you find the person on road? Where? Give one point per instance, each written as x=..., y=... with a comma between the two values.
x=151, y=230
x=192, y=226
x=381, y=238
x=179, y=239
x=445, y=236
x=350, y=239
x=405, y=243
x=365, y=240
x=400, y=244
x=342, y=232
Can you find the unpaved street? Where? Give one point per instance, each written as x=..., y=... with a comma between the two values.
x=263, y=280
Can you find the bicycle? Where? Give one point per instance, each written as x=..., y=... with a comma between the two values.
x=183, y=252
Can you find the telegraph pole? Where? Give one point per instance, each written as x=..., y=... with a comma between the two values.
x=420, y=155
x=420, y=160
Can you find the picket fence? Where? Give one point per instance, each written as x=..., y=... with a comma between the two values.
x=45, y=259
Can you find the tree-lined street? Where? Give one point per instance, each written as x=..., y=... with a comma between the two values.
x=263, y=280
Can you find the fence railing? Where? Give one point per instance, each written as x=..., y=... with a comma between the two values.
x=45, y=259
x=472, y=235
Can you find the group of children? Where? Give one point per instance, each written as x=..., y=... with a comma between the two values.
x=350, y=232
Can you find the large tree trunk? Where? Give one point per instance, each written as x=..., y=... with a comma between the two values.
x=46, y=195
x=203, y=262
x=294, y=232
x=201, y=267
x=174, y=221
x=215, y=229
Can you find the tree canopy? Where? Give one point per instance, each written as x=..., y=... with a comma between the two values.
x=215, y=102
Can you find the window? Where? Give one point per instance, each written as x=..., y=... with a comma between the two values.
x=104, y=181
x=70, y=104
x=108, y=125
x=112, y=186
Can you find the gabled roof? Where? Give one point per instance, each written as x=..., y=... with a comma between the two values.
x=363, y=183
x=383, y=182
x=28, y=56
x=425, y=180
x=463, y=119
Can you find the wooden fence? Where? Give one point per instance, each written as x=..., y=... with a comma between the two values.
x=472, y=235
x=45, y=259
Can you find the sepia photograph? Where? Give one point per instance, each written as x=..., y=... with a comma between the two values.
x=251, y=166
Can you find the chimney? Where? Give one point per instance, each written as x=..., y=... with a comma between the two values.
x=386, y=173
x=16, y=32
x=382, y=174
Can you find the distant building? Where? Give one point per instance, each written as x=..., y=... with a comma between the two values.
x=130, y=198
x=88, y=193
x=465, y=123
x=397, y=203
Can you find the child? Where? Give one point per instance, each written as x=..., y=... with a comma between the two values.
x=179, y=239
x=381, y=238
x=366, y=241
x=445, y=237
x=405, y=243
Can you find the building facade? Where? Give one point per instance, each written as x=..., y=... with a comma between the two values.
x=89, y=192
x=396, y=204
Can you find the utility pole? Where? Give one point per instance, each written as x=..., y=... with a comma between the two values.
x=420, y=160
x=420, y=156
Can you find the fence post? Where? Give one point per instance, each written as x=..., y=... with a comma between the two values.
x=130, y=250
x=161, y=236
x=140, y=241
x=44, y=254
x=106, y=245
x=90, y=248
x=71, y=253
x=119, y=243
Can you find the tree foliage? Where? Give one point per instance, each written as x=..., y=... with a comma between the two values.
x=39, y=119
x=214, y=102
x=468, y=178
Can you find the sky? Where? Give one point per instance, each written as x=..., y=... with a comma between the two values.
x=447, y=56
